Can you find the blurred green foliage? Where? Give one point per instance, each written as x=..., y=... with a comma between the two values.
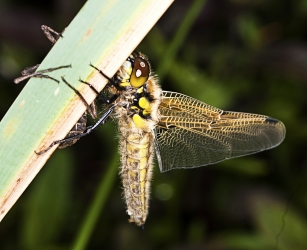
x=240, y=55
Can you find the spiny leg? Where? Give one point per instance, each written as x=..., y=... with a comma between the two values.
x=111, y=81
x=90, y=85
x=103, y=74
x=30, y=72
x=99, y=94
x=78, y=129
x=90, y=108
x=52, y=35
x=78, y=133
x=88, y=130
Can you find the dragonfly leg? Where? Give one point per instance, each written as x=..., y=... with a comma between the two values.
x=29, y=72
x=92, y=109
x=78, y=128
x=88, y=130
x=51, y=34
x=91, y=86
x=103, y=74
x=99, y=94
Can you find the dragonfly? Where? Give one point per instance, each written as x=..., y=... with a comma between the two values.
x=181, y=131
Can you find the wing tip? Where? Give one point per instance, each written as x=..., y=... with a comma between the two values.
x=271, y=120
x=280, y=127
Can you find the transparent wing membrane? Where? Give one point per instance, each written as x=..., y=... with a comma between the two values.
x=191, y=133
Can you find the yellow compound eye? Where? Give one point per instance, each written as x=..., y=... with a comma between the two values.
x=140, y=72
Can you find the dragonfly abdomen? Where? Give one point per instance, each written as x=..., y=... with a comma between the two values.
x=136, y=146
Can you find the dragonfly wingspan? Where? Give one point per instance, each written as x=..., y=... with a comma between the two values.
x=191, y=133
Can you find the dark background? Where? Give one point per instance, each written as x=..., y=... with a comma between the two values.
x=248, y=56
